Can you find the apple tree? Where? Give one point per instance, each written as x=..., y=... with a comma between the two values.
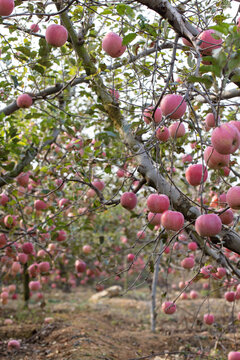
x=120, y=140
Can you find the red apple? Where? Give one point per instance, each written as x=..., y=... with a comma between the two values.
x=188, y=263
x=233, y=197
x=128, y=200
x=10, y=221
x=40, y=205
x=80, y=266
x=173, y=105
x=147, y=115
x=234, y=355
x=158, y=203
x=35, y=28
x=192, y=246
x=214, y=160
x=176, y=130
x=168, y=307
x=3, y=199
x=87, y=249
x=208, y=319
x=187, y=158
x=6, y=7
x=24, y=101
x=112, y=45
x=44, y=267
x=193, y=294
x=208, y=225
x=13, y=345
x=130, y=257
x=227, y=216
x=27, y=248
x=208, y=41
x=34, y=285
x=225, y=139
x=99, y=184
x=56, y=35
x=210, y=120
x=229, y=296
x=162, y=134
x=61, y=235
x=172, y=220
x=141, y=234
x=154, y=218
x=23, y=179
x=195, y=174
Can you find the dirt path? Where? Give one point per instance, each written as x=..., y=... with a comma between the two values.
x=115, y=329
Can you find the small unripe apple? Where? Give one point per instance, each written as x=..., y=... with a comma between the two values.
x=208, y=225
x=6, y=7
x=112, y=45
x=128, y=200
x=208, y=319
x=56, y=35
x=24, y=101
x=170, y=106
x=168, y=307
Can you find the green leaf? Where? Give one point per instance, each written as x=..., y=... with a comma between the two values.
x=121, y=9
x=129, y=38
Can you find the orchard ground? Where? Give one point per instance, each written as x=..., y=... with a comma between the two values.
x=118, y=328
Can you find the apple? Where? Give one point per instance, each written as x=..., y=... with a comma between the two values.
x=187, y=158
x=208, y=225
x=128, y=200
x=9, y=221
x=208, y=319
x=13, y=345
x=227, y=216
x=35, y=28
x=225, y=139
x=3, y=199
x=130, y=257
x=34, y=285
x=193, y=294
x=176, y=130
x=221, y=272
x=3, y=240
x=196, y=173
x=154, y=218
x=16, y=267
x=61, y=235
x=63, y=202
x=22, y=258
x=173, y=106
x=87, y=249
x=6, y=7
x=44, y=267
x=192, y=246
x=80, y=266
x=229, y=296
x=27, y=248
x=147, y=115
x=23, y=179
x=236, y=123
x=56, y=35
x=188, y=263
x=208, y=41
x=172, y=220
x=33, y=270
x=234, y=355
x=24, y=101
x=8, y=322
x=99, y=184
x=233, y=197
x=40, y=205
x=210, y=120
x=168, y=307
x=162, y=134
x=115, y=94
x=120, y=173
x=158, y=203
x=141, y=234
x=112, y=45
x=215, y=160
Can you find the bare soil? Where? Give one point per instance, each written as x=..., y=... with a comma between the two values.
x=117, y=329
